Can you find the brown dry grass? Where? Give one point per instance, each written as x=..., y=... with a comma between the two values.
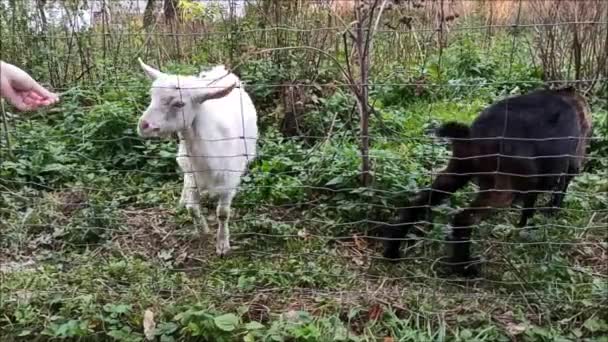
x=505, y=12
x=498, y=12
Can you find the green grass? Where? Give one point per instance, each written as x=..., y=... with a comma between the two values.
x=87, y=258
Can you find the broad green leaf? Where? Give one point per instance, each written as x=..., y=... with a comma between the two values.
x=227, y=322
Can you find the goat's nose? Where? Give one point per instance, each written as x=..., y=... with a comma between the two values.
x=144, y=124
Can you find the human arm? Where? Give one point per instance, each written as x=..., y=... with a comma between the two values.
x=21, y=90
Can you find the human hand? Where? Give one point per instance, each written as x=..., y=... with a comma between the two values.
x=21, y=90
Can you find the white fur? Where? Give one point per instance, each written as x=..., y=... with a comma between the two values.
x=217, y=137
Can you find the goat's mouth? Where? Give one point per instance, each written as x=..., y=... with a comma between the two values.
x=154, y=134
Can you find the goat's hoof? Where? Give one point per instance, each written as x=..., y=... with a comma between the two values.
x=530, y=234
x=525, y=234
x=391, y=255
x=470, y=268
x=222, y=248
x=550, y=212
x=392, y=251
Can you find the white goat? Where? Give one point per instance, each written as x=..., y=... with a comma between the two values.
x=215, y=120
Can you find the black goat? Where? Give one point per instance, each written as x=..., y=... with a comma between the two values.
x=523, y=145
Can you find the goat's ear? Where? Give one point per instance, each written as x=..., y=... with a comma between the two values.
x=215, y=92
x=150, y=71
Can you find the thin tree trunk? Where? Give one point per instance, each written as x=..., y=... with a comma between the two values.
x=362, y=103
x=40, y=5
x=171, y=10
x=149, y=14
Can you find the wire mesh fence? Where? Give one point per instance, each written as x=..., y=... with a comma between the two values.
x=349, y=96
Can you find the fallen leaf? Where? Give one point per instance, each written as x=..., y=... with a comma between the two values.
x=149, y=325
x=375, y=312
x=166, y=254
x=389, y=339
x=291, y=315
x=303, y=233
x=358, y=261
x=515, y=329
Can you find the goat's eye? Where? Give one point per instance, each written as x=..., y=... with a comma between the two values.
x=178, y=104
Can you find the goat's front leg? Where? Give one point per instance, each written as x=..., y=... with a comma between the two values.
x=529, y=207
x=449, y=181
x=190, y=198
x=557, y=198
x=459, y=241
x=222, y=245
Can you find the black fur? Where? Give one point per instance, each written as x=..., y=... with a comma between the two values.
x=454, y=130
